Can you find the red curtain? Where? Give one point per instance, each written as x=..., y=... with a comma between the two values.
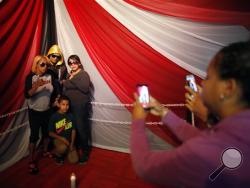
x=223, y=11
x=20, y=36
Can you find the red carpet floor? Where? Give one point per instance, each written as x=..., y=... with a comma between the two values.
x=104, y=169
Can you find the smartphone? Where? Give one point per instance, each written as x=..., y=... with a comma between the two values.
x=143, y=92
x=191, y=82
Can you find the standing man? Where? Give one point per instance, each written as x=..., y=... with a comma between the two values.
x=57, y=67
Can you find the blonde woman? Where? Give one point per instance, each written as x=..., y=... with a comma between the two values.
x=39, y=86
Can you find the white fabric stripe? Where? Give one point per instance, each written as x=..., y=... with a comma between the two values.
x=189, y=44
x=107, y=136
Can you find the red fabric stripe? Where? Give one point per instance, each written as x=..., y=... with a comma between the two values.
x=20, y=37
x=224, y=11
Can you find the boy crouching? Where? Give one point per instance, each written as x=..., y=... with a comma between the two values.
x=62, y=130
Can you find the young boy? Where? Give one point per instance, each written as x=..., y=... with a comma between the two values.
x=62, y=130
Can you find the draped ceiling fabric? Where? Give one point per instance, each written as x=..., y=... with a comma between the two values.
x=188, y=44
x=223, y=12
x=120, y=43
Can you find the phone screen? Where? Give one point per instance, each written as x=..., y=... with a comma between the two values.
x=191, y=82
x=143, y=93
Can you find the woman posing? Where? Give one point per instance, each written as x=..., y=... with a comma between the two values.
x=39, y=86
x=78, y=88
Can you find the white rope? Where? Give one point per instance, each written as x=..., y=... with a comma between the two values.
x=13, y=113
x=14, y=129
x=130, y=105
x=94, y=103
x=111, y=122
x=173, y=105
x=110, y=104
x=92, y=119
x=122, y=122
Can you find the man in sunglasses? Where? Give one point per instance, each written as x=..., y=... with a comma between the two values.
x=57, y=67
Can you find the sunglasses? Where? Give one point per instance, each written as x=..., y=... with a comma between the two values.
x=56, y=56
x=43, y=64
x=72, y=62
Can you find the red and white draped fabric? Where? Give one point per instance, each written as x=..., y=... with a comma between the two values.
x=188, y=44
x=120, y=43
x=115, y=65
x=222, y=12
x=20, y=41
x=20, y=38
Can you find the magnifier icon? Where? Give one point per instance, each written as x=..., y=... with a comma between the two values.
x=231, y=158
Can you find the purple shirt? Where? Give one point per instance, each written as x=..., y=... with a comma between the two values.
x=191, y=163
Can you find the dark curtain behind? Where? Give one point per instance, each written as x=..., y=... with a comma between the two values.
x=49, y=27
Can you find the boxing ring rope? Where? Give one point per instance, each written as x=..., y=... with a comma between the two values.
x=92, y=119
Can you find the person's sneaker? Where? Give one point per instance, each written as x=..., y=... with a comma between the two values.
x=59, y=160
x=83, y=159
